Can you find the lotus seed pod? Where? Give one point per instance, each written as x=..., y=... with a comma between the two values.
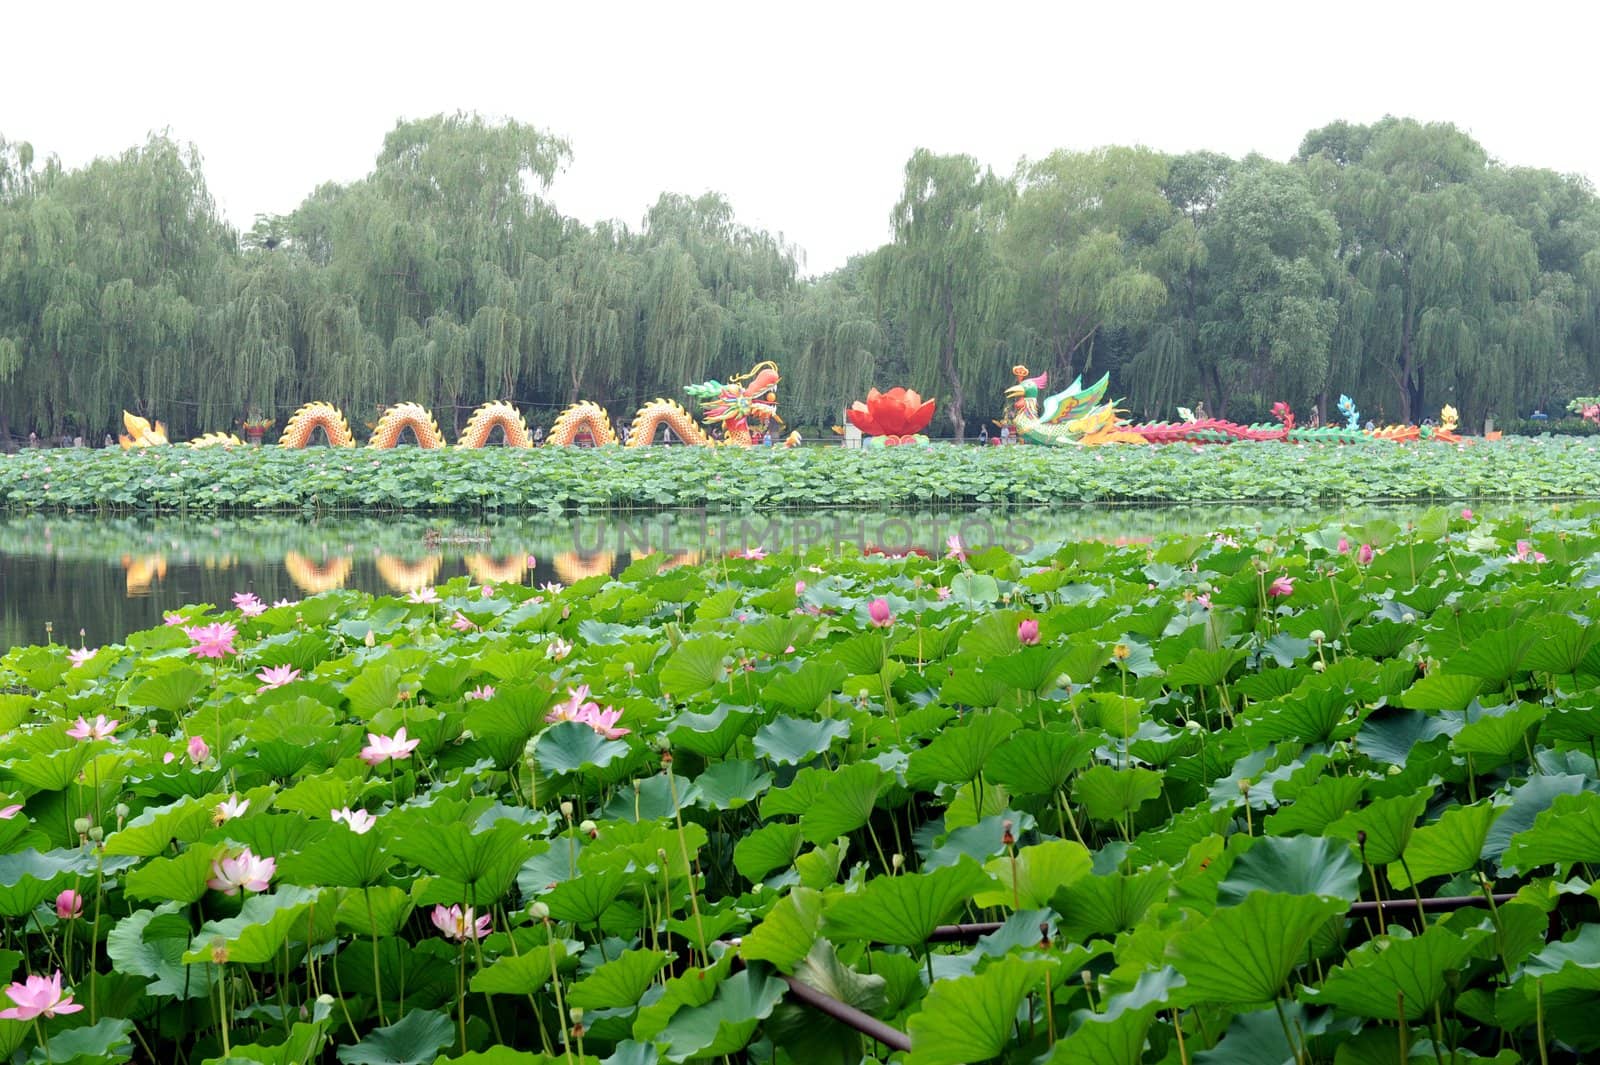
x=97, y=833
x=538, y=911
x=81, y=825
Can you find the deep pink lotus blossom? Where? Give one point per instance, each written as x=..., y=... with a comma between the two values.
x=603, y=720
x=81, y=655
x=212, y=641
x=1466, y=513
x=101, y=729
x=458, y=924
x=878, y=611
x=69, y=904
x=532, y=561
x=1526, y=553
x=199, y=750
x=461, y=623
x=275, y=677
x=1281, y=587
x=799, y=587
x=483, y=691
x=426, y=595
x=1364, y=554
x=1344, y=546
x=244, y=870
x=380, y=749
x=1028, y=632
x=359, y=821
x=40, y=996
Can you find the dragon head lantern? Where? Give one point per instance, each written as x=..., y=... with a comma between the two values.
x=746, y=406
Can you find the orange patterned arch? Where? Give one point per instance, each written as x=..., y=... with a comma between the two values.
x=313, y=578
x=658, y=412
x=496, y=413
x=303, y=424
x=586, y=415
x=402, y=416
x=488, y=570
x=403, y=576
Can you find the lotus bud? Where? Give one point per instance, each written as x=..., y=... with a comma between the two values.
x=538, y=911
x=121, y=810
x=1192, y=725
x=576, y=1013
x=370, y=641
x=81, y=826
x=1318, y=666
x=897, y=860
x=590, y=829
x=1317, y=636
x=566, y=809
x=326, y=999
x=97, y=833
x=1063, y=681
x=1244, y=786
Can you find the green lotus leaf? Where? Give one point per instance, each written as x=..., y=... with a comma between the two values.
x=1376, y=977
x=903, y=910
x=791, y=740
x=415, y=1039
x=969, y=1019
x=1296, y=865
x=1243, y=955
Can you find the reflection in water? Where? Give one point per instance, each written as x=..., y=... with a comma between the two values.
x=114, y=576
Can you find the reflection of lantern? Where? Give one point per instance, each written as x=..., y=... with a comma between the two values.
x=488, y=571
x=312, y=578
x=403, y=576
x=572, y=567
x=141, y=571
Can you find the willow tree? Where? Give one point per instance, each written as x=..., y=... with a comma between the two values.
x=835, y=345
x=942, y=279
x=1076, y=239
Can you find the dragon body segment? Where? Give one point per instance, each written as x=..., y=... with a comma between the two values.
x=744, y=408
x=1077, y=416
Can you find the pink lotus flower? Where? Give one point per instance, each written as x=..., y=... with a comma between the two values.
x=1365, y=554
x=359, y=821
x=81, y=655
x=380, y=749
x=1466, y=513
x=249, y=605
x=1224, y=540
x=956, y=550
x=229, y=808
x=1028, y=632
x=485, y=590
x=426, y=595
x=1525, y=552
x=458, y=924
x=245, y=870
x=173, y=618
x=603, y=721
x=878, y=611
x=275, y=677
x=461, y=623
x=1204, y=599
x=1344, y=546
x=212, y=641
x=199, y=751
x=69, y=904
x=557, y=649
x=8, y=812
x=168, y=758
x=39, y=997
x=799, y=587
x=1281, y=587
x=532, y=561
x=100, y=730
x=755, y=554
x=483, y=691
x=285, y=602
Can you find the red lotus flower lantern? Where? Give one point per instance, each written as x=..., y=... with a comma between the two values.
x=897, y=416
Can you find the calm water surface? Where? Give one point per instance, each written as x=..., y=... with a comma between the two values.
x=109, y=577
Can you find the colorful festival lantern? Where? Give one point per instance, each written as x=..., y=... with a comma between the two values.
x=897, y=416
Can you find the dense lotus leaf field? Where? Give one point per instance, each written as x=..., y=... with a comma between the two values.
x=1198, y=796
x=180, y=478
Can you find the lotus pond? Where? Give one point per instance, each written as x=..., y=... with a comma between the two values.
x=550, y=478
x=1324, y=793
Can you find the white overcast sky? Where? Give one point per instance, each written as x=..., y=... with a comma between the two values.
x=803, y=114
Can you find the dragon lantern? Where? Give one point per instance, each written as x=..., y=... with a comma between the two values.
x=745, y=408
x=897, y=416
x=1077, y=416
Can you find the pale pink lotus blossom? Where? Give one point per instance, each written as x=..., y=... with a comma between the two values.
x=485, y=590
x=603, y=721
x=359, y=821
x=461, y=623
x=69, y=904
x=40, y=996
x=878, y=611
x=229, y=808
x=380, y=749
x=552, y=587
x=756, y=553
x=569, y=710
x=799, y=587
x=168, y=758
x=1281, y=587
x=212, y=641
x=458, y=924
x=101, y=729
x=956, y=550
x=81, y=655
x=427, y=596
x=1224, y=540
x=275, y=677
x=244, y=870
x=285, y=602
x=249, y=605
x=199, y=750
x=173, y=618
x=1028, y=632
x=483, y=691
x=1204, y=599
x=1365, y=554
x=557, y=649
x=943, y=592
x=8, y=812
